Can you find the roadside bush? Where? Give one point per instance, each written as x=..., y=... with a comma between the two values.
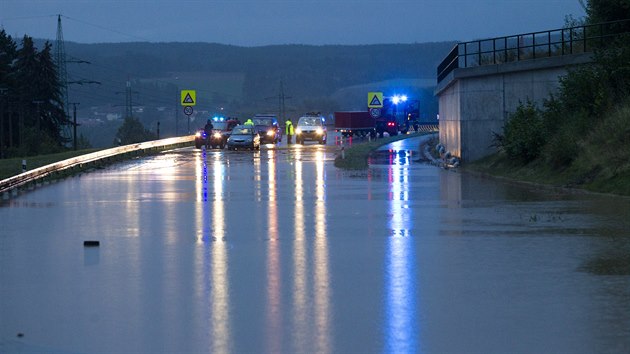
x=523, y=134
x=606, y=148
x=35, y=142
x=561, y=148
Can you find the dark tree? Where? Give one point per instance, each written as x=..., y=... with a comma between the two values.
x=8, y=50
x=132, y=131
x=25, y=74
x=33, y=98
x=607, y=10
x=52, y=113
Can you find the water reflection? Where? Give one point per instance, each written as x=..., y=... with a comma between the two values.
x=300, y=323
x=274, y=278
x=322, y=279
x=401, y=332
x=212, y=240
x=132, y=205
x=390, y=157
x=312, y=317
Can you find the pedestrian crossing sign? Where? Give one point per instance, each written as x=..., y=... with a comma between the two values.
x=188, y=97
x=375, y=100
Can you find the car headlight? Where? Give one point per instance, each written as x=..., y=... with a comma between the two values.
x=298, y=131
x=198, y=134
x=319, y=131
x=270, y=132
x=217, y=135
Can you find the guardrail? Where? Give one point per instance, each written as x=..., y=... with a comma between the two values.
x=557, y=42
x=44, y=171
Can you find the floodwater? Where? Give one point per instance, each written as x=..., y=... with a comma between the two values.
x=279, y=251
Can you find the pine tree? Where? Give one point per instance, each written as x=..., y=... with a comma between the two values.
x=8, y=50
x=48, y=89
x=25, y=71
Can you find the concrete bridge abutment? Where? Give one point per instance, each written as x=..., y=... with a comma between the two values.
x=475, y=102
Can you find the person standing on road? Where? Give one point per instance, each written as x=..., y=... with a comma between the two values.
x=208, y=130
x=208, y=127
x=249, y=121
x=289, y=130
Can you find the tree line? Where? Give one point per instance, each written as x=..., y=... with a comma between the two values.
x=32, y=115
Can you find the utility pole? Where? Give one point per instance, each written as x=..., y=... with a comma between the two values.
x=74, y=125
x=128, y=99
x=62, y=74
x=281, y=98
x=176, y=110
x=281, y=106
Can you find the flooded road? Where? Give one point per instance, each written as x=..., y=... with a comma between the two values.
x=279, y=251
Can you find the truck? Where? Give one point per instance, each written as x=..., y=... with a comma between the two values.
x=355, y=123
x=399, y=114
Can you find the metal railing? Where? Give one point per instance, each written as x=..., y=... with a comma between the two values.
x=41, y=172
x=571, y=40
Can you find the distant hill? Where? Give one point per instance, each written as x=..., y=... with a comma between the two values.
x=245, y=80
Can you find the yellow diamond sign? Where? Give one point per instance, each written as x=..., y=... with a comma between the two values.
x=188, y=97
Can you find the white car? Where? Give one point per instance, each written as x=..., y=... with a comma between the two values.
x=311, y=128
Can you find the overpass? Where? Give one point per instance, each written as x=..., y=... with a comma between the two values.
x=480, y=83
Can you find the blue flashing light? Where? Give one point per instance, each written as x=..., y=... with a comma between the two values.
x=396, y=99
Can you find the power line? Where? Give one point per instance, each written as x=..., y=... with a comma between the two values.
x=108, y=29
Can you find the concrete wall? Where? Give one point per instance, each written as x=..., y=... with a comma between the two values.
x=475, y=102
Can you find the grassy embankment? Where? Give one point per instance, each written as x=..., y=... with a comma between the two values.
x=356, y=156
x=12, y=167
x=602, y=163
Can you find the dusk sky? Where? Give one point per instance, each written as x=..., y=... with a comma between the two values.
x=264, y=22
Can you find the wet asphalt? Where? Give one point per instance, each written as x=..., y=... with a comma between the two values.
x=279, y=251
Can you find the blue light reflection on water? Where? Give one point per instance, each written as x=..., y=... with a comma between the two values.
x=213, y=287
x=402, y=328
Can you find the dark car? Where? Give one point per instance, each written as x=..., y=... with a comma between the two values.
x=268, y=128
x=217, y=138
x=244, y=137
x=220, y=132
x=311, y=128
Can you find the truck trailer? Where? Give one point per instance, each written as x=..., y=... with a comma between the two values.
x=357, y=123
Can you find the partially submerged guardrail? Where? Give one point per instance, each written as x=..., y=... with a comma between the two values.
x=31, y=176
